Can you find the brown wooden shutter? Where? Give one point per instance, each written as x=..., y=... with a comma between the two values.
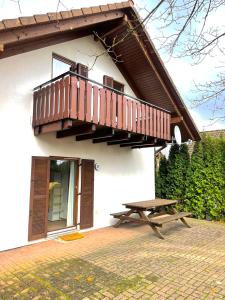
x=108, y=81
x=87, y=194
x=82, y=70
x=38, y=214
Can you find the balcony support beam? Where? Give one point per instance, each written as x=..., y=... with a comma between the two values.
x=46, y=128
x=99, y=133
x=119, y=136
x=78, y=130
x=133, y=139
x=149, y=145
x=146, y=141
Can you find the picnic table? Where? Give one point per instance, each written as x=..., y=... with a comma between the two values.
x=155, y=213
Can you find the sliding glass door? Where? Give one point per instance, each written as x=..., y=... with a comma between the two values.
x=62, y=194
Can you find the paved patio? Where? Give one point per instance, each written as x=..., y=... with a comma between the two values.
x=124, y=263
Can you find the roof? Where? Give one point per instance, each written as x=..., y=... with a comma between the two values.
x=214, y=133
x=141, y=65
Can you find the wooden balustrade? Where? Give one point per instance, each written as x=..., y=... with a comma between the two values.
x=74, y=98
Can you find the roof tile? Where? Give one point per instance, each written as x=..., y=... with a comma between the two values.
x=77, y=12
x=41, y=18
x=95, y=9
x=87, y=10
x=127, y=3
x=66, y=14
x=54, y=16
x=112, y=6
x=10, y=23
x=27, y=21
x=2, y=26
x=104, y=8
x=119, y=5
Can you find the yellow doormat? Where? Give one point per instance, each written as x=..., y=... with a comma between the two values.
x=71, y=237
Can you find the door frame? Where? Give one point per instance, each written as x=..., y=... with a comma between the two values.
x=80, y=192
x=76, y=189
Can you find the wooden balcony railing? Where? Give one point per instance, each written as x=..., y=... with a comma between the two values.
x=71, y=96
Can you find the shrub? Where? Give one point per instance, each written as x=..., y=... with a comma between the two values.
x=198, y=182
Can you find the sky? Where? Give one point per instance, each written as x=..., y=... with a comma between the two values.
x=183, y=73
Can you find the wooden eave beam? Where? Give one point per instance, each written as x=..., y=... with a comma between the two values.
x=121, y=136
x=176, y=120
x=78, y=130
x=100, y=133
x=113, y=30
x=38, y=30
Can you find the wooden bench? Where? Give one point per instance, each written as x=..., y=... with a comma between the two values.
x=168, y=218
x=119, y=214
x=123, y=216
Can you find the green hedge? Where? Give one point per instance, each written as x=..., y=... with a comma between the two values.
x=198, y=182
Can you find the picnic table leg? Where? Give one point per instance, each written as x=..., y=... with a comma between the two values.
x=121, y=221
x=182, y=219
x=154, y=228
x=157, y=232
x=185, y=222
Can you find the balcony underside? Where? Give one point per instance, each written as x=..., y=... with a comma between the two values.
x=82, y=131
x=73, y=106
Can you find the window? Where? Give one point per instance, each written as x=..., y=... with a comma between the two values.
x=110, y=82
x=82, y=70
x=61, y=65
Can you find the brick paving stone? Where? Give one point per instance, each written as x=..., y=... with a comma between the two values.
x=124, y=263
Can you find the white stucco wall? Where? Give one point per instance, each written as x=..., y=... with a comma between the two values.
x=125, y=174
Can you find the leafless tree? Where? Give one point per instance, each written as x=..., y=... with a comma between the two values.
x=195, y=29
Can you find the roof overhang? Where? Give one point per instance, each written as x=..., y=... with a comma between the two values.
x=140, y=63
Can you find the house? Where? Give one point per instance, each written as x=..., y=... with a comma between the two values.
x=219, y=133
x=81, y=114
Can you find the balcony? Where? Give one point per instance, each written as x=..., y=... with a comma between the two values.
x=71, y=104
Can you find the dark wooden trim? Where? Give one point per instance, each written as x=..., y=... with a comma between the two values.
x=63, y=59
x=119, y=136
x=147, y=145
x=176, y=120
x=33, y=44
x=134, y=138
x=63, y=158
x=67, y=124
x=78, y=130
x=144, y=141
x=51, y=127
x=39, y=30
x=76, y=191
x=100, y=133
x=112, y=31
x=120, y=84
